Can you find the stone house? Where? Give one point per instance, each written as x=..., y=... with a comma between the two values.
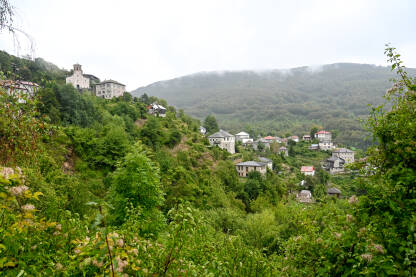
x=109, y=89
x=307, y=170
x=244, y=168
x=159, y=110
x=223, y=140
x=19, y=87
x=77, y=79
x=304, y=196
x=284, y=151
x=346, y=154
x=242, y=135
x=334, y=192
x=335, y=164
x=267, y=161
x=323, y=135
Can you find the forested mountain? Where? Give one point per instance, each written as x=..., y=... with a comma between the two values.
x=333, y=96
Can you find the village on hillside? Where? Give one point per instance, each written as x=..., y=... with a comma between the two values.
x=319, y=141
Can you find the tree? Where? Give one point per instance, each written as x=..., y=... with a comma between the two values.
x=314, y=130
x=135, y=183
x=6, y=15
x=210, y=123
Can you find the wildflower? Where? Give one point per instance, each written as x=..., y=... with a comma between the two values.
x=59, y=266
x=338, y=235
x=56, y=233
x=58, y=227
x=6, y=172
x=77, y=251
x=120, y=243
x=19, y=190
x=349, y=218
x=319, y=240
x=97, y=264
x=353, y=199
x=121, y=264
x=28, y=207
x=379, y=248
x=367, y=257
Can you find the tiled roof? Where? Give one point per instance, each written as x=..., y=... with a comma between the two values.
x=242, y=134
x=323, y=132
x=220, y=134
x=307, y=169
x=334, y=191
x=251, y=163
x=265, y=160
x=343, y=150
x=110, y=81
x=269, y=137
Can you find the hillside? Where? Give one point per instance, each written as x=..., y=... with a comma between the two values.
x=333, y=96
x=30, y=70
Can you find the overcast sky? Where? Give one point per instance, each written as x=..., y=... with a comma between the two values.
x=140, y=42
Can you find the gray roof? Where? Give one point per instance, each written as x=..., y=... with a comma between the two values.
x=334, y=158
x=343, y=150
x=242, y=134
x=220, y=134
x=265, y=160
x=110, y=81
x=334, y=191
x=252, y=163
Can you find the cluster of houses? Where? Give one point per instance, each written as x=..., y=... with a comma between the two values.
x=106, y=89
x=335, y=164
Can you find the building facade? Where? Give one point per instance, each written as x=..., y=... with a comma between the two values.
x=326, y=145
x=346, y=154
x=109, y=89
x=159, y=110
x=223, y=140
x=307, y=170
x=242, y=135
x=335, y=164
x=244, y=168
x=77, y=79
x=323, y=135
x=267, y=161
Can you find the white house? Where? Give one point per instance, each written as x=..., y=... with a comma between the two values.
x=77, y=79
x=323, y=135
x=294, y=138
x=109, y=89
x=223, y=140
x=306, y=138
x=242, y=135
x=307, y=170
x=346, y=154
x=159, y=110
x=244, y=168
x=326, y=145
x=284, y=151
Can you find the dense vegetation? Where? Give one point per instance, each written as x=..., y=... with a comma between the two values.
x=334, y=97
x=98, y=187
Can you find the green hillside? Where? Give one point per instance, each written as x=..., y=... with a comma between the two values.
x=277, y=102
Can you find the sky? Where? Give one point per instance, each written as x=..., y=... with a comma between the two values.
x=140, y=42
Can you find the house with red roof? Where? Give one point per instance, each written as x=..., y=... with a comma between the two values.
x=323, y=135
x=307, y=170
